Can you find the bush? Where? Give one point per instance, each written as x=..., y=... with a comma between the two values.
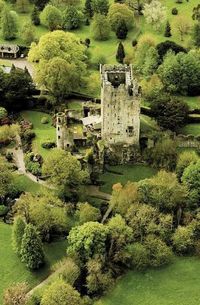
x=137, y=256
x=174, y=11
x=134, y=42
x=28, y=135
x=3, y=210
x=44, y=120
x=183, y=242
x=48, y=145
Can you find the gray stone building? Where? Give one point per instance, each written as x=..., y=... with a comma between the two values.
x=120, y=105
x=9, y=51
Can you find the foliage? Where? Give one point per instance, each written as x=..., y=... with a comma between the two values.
x=3, y=113
x=181, y=25
x=163, y=191
x=61, y=293
x=184, y=160
x=122, y=30
x=155, y=13
x=9, y=24
x=69, y=271
x=51, y=17
x=28, y=33
x=100, y=27
x=86, y=212
x=61, y=66
x=31, y=248
x=120, y=53
x=183, y=242
x=15, y=295
x=118, y=13
x=17, y=233
x=72, y=18
x=100, y=6
x=164, y=47
x=87, y=240
x=170, y=113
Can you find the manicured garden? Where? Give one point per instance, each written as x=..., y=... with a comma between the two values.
x=176, y=284
x=123, y=174
x=24, y=184
x=44, y=132
x=13, y=271
x=191, y=129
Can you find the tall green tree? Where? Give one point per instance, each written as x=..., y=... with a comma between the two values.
x=17, y=233
x=100, y=27
x=72, y=18
x=122, y=30
x=22, y=6
x=88, y=8
x=35, y=16
x=120, y=53
x=117, y=13
x=196, y=34
x=9, y=24
x=100, y=6
x=31, y=248
x=51, y=17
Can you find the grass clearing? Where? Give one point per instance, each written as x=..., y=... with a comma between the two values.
x=13, y=271
x=191, y=129
x=176, y=284
x=26, y=185
x=128, y=173
x=44, y=132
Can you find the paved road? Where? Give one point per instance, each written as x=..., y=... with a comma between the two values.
x=22, y=63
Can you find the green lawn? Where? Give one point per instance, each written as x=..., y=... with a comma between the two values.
x=193, y=102
x=24, y=184
x=147, y=124
x=177, y=284
x=44, y=132
x=192, y=129
x=12, y=270
x=129, y=173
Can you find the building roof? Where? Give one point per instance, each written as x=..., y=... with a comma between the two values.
x=9, y=48
x=91, y=120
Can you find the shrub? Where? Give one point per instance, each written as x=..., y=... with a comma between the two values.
x=183, y=242
x=3, y=210
x=48, y=145
x=137, y=256
x=28, y=135
x=44, y=120
x=174, y=11
x=134, y=42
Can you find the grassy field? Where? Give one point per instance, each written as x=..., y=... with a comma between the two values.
x=128, y=173
x=24, y=184
x=192, y=129
x=177, y=284
x=44, y=132
x=12, y=270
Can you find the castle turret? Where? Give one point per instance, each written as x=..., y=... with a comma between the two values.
x=120, y=105
x=60, y=129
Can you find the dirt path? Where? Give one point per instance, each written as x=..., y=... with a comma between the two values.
x=22, y=63
x=18, y=156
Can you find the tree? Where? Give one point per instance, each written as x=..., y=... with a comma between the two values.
x=168, y=30
x=191, y=178
x=151, y=62
x=163, y=154
x=17, y=233
x=137, y=256
x=117, y=13
x=100, y=27
x=120, y=53
x=170, y=113
x=35, y=16
x=61, y=293
x=19, y=87
x=46, y=212
x=9, y=24
x=51, y=17
x=22, y=6
x=87, y=240
x=28, y=33
x=183, y=240
x=100, y=6
x=3, y=113
x=164, y=47
x=51, y=48
x=40, y=4
x=88, y=8
x=181, y=73
x=16, y=294
x=122, y=30
x=181, y=25
x=64, y=169
x=86, y=212
x=31, y=248
x=196, y=34
x=184, y=160
x=120, y=235
x=6, y=179
x=154, y=13
x=144, y=44
x=163, y=191
x=72, y=18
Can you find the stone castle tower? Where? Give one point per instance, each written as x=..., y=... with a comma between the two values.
x=120, y=105
x=63, y=133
